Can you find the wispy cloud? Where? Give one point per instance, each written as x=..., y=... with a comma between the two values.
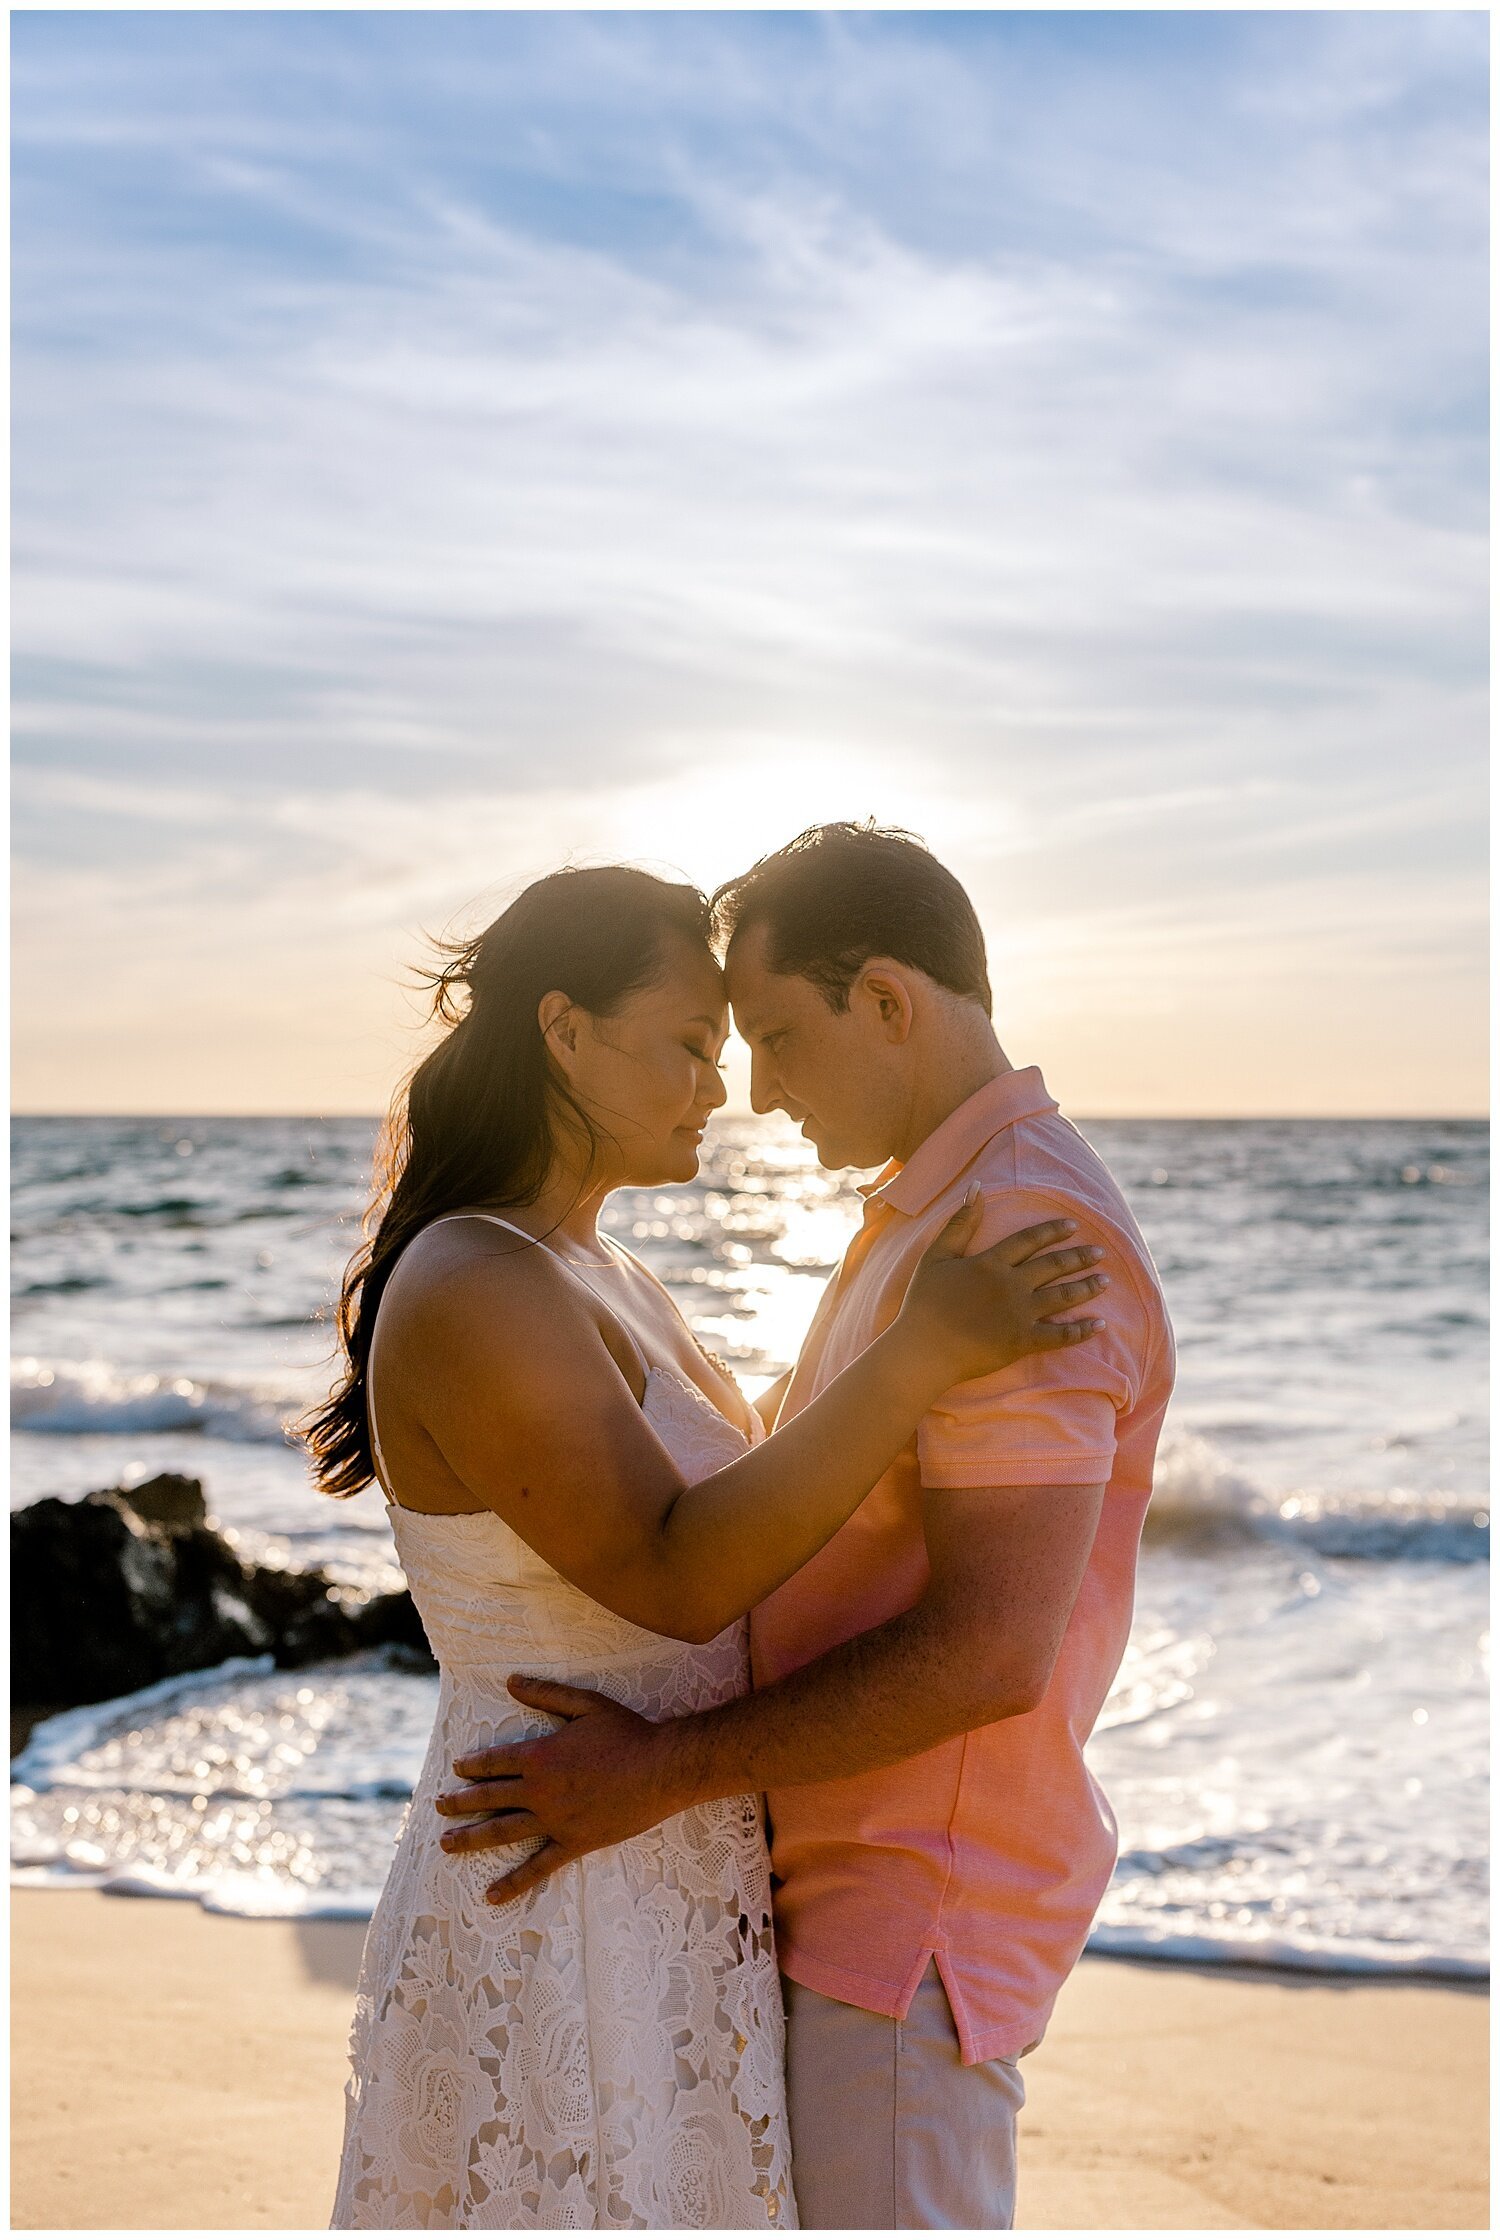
x=449, y=443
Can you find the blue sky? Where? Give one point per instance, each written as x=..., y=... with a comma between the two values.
x=450, y=443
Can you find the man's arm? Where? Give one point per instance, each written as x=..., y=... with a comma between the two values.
x=979, y=1646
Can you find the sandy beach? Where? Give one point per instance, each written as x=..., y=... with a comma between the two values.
x=174, y=2069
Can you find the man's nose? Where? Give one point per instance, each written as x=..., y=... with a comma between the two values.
x=764, y=1087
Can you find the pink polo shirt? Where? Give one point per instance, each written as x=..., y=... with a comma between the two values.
x=993, y=1850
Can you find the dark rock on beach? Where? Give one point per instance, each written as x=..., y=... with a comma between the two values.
x=121, y=1589
x=168, y=1500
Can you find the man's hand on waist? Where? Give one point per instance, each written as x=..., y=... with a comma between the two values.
x=602, y=1777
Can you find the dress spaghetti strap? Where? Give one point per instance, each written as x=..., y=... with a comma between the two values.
x=382, y=1474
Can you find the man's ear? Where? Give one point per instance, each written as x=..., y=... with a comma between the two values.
x=888, y=987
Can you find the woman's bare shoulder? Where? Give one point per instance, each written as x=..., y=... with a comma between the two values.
x=469, y=1274
x=486, y=1324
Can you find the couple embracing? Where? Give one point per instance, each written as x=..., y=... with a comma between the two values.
x=879, y=1611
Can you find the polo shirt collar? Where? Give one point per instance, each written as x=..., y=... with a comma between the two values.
x=957, y=1142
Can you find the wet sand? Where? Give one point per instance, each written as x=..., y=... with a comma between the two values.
x=174, y=2070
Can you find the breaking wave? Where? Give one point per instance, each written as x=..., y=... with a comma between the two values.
x=1199, y=1498
x=73, y=1397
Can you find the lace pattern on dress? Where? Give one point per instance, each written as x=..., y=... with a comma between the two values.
x=606, y=2052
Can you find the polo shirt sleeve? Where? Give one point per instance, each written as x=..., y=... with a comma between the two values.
x=1048, y=1419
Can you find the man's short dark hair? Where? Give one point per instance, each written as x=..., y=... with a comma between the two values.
x=840, y=894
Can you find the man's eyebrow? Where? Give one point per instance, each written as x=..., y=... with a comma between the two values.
x=750, y=1023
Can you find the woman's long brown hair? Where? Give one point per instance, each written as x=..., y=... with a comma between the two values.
x=475, y=1123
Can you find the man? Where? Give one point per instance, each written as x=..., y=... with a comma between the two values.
x=924, y=1687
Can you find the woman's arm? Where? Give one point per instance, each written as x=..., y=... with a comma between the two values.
x=767, y=1404
x=528, y=1408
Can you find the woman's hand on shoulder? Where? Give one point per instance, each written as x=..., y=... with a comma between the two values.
x=977, y=1312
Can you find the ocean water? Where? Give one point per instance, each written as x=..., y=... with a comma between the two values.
x=1296, y=1747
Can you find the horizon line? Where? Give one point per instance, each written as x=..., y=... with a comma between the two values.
x=365, y=1113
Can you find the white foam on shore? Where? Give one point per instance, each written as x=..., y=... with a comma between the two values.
x=1313, y=1956
x=257, y=1898
x=244, y=1897
x=57, y=1746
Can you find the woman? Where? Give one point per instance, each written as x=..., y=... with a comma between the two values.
x=579, y=1491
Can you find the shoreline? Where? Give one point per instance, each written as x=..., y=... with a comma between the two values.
x=1461, y=1978
x=205, y=2090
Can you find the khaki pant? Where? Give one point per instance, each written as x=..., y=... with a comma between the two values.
x=890, y=2132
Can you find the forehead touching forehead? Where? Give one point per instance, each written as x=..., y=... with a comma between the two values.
x=687, y=980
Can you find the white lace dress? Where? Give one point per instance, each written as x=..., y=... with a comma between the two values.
x=605, y=2052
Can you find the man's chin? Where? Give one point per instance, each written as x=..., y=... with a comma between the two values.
x=828, y=1149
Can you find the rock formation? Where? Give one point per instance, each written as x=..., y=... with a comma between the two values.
x=121, y=1589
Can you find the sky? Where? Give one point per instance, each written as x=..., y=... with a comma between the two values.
x=451, y=445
